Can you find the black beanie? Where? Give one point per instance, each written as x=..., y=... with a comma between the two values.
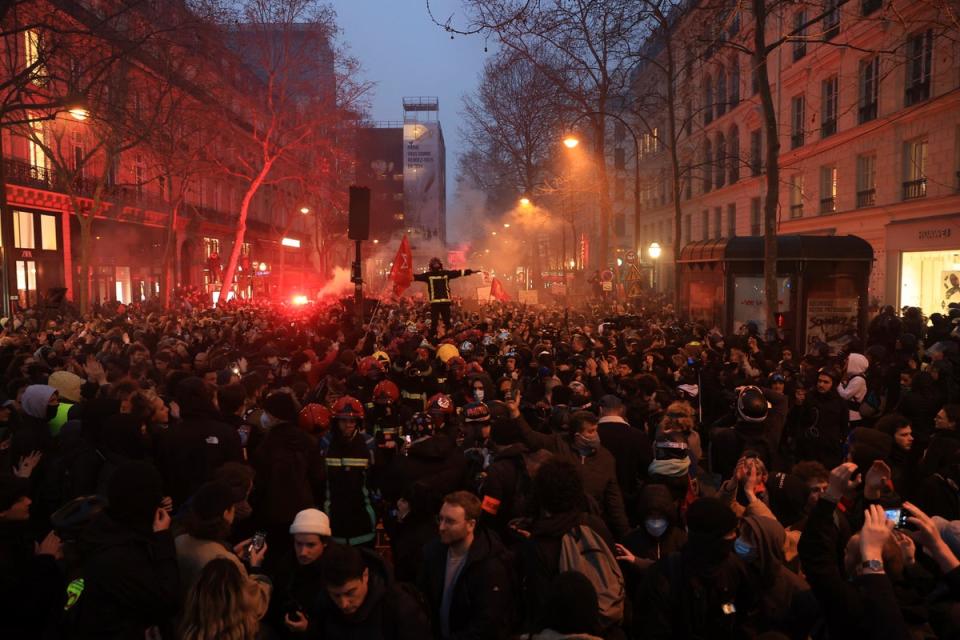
x=788, y=495
x=710, y=517
x=212, y=499
x=867, y=445
x=282, y=406
x=134, y=493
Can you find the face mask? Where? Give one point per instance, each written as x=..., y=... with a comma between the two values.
x=656, y=526
x=478, y=394
x=52, y=411
x=745, y=551
x=584, y=443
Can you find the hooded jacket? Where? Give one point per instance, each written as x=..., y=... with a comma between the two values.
x=131, y=581
x=389, y=612
x=289, y=474
x=854, y=390
x=482, y=594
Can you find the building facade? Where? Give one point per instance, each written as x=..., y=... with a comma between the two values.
x=868, y=111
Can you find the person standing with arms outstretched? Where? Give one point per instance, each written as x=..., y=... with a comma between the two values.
x=437, y=280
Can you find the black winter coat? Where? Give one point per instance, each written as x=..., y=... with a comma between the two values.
x=482, y=596
x=189, y=452
x=131, y=581
x=389, y=612
x=289, y=475
x=633, y=453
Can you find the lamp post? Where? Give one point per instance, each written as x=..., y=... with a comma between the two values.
x=654, y=252
x=571, y=142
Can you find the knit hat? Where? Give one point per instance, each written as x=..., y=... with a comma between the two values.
x=867, y=445
x=788, y=497
x=67, y=384
x=237, y=476
x=311, y=521
x=282, y=405
x=212, y=499
x=710, y=517
x=134, y=493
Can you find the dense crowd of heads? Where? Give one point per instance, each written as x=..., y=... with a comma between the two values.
x=604, y=470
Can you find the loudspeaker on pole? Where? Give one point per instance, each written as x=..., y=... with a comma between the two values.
x=359, y=222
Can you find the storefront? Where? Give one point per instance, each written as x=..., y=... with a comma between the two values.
x=923, y=262
x=33, y=263
x=126, y=261
x=821, y=286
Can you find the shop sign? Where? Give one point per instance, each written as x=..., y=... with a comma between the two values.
x=832, y=321
x=935, y=234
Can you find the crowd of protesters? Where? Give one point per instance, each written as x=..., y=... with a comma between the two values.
x=259, y=471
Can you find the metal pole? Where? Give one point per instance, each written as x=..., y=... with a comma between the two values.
x=5, y=235
x=358, y=282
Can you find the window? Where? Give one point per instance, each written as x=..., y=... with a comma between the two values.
x=799, y=35
x=796, y=122
x=619, y=189
x=688, y=119
x=733, y=155
x=721, y=163
x=620, y=159
x=707, y=100
x=705, y=223
x=707, y=166
x=919, y=58
x=756, y=153
x=828, y=190
x=26, y=282
x=23, y=237
x=755, y=229
x=831, y=19
x=866, y=180
x=734, y=82
x=869, y=89
x=688, y=227
x=35, y=144
x=734, y=24
x=718, y=222
x=688, y=182
x=915, y=169
x=721, y=92
x=828, y=115
x=796, y=196
x=869, y=6
x=33, y=56
x=48, y=232
x=78, y=154
x=138, y=174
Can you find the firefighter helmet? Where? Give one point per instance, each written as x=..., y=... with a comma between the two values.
x=348, y=407
x=386, y=391
x=314, y=418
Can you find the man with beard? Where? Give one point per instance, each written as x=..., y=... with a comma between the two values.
x=822, y=423
x=701, y=591
x=297, y=581
x=349, y=453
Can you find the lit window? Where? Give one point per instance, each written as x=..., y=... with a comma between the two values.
x=48, y=232
x=23, y=230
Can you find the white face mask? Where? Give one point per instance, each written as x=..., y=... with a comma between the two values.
x=478, y=394
x=656, y=526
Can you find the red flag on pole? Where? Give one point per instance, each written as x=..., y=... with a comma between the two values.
x=402, y=271
x=497, y=291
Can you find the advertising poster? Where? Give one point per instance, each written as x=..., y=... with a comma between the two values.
x=421, y=176
x=951, y=287
x=748, y=301
x=831, y=320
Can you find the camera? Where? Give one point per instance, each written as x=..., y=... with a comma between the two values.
x=898, y=516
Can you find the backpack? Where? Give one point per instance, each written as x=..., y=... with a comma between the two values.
x=584, y=551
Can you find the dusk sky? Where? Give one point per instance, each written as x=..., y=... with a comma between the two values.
x=406, y=54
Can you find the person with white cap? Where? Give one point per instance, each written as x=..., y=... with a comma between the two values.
x=295, y=608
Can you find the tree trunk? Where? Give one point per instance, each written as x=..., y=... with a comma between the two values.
x=771, y=200
x=227, y=285
x=674, y=166
x=169, y=252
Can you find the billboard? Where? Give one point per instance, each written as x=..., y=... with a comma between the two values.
x=423, y=177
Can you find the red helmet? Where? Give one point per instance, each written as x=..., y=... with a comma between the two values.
x=387, y=391
x=348, y=407
x=314, y=418
x=440, y=403
x=370, y=366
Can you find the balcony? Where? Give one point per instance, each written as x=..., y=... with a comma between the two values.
x=796, y=140
x=916, y=93
x=913, y=189
x=828, y=205
x=26, y=174
x=828, y=127
x=796, y=211
x=866, y=198
x=867, y=112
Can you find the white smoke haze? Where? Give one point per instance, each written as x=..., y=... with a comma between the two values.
x=338, y=286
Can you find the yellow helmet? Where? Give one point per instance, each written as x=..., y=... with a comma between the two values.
x=381, y=356
x=447, y=351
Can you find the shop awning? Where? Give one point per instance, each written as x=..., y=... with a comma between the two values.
x=750, y=249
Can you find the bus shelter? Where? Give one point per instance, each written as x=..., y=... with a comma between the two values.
x=822, y=284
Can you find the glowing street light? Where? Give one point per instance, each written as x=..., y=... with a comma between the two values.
x=375, y=241
x=573, y=263
x=79, y=113
x=506, y=225
x=654, y=250
x=525, y=201
x=304, y=210
x=570, y=142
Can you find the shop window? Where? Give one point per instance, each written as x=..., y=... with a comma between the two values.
x=866, y=180
x=26, y=282
x=48, y=232
x=828, y=190
x=915, y=169
x=23, y=237
x=929, y=279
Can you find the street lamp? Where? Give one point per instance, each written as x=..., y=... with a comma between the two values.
x=525, y=202
x=571, y=142
x=304, y=210
x=654, y=252
x=79, y=113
